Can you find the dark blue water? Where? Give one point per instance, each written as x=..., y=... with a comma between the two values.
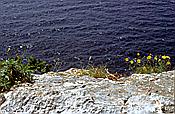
x=74, y=30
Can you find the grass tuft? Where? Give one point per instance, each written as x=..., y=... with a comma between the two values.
x=96, y=72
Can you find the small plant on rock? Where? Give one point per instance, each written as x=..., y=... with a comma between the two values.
x=97, y=72
x=14, y=70
x=38, y=65
x=149, y=64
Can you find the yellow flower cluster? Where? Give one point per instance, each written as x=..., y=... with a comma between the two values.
x=138, y=61
x=149, y=57
x=165, y=57
x=131, y=61
x=126, y=59
x=138, y=54
x=168, y=63
x=150, y=63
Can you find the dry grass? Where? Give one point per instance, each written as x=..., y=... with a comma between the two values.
x=92, y=71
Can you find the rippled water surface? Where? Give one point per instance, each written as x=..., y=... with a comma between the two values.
x=74, y=30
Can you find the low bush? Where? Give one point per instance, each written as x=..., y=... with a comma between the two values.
x=18, y=69
x=12, y=72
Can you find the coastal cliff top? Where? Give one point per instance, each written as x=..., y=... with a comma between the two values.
x=139, y=93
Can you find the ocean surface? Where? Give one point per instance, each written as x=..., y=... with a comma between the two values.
x=81, y=32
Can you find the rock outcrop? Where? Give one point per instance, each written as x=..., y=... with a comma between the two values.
x=136, y=94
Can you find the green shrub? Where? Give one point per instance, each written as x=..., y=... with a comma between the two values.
x=38, y=65
x=14, y=70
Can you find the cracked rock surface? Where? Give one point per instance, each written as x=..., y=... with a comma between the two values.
x=136, y=94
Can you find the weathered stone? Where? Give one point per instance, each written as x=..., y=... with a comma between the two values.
x=144, y=93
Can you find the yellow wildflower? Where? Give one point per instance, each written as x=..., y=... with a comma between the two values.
x=132, y=62
x=149, y=57
x=163, y=57
x=138, y=54
x=168, y=57
x=168, y=63
x=138, y=61
x=126, y=59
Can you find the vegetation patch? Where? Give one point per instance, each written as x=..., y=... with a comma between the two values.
x=19, y=69
x=149, y=64
x=96, y=72
x=92, y=71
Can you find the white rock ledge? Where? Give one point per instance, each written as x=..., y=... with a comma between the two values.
x=137, y=94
